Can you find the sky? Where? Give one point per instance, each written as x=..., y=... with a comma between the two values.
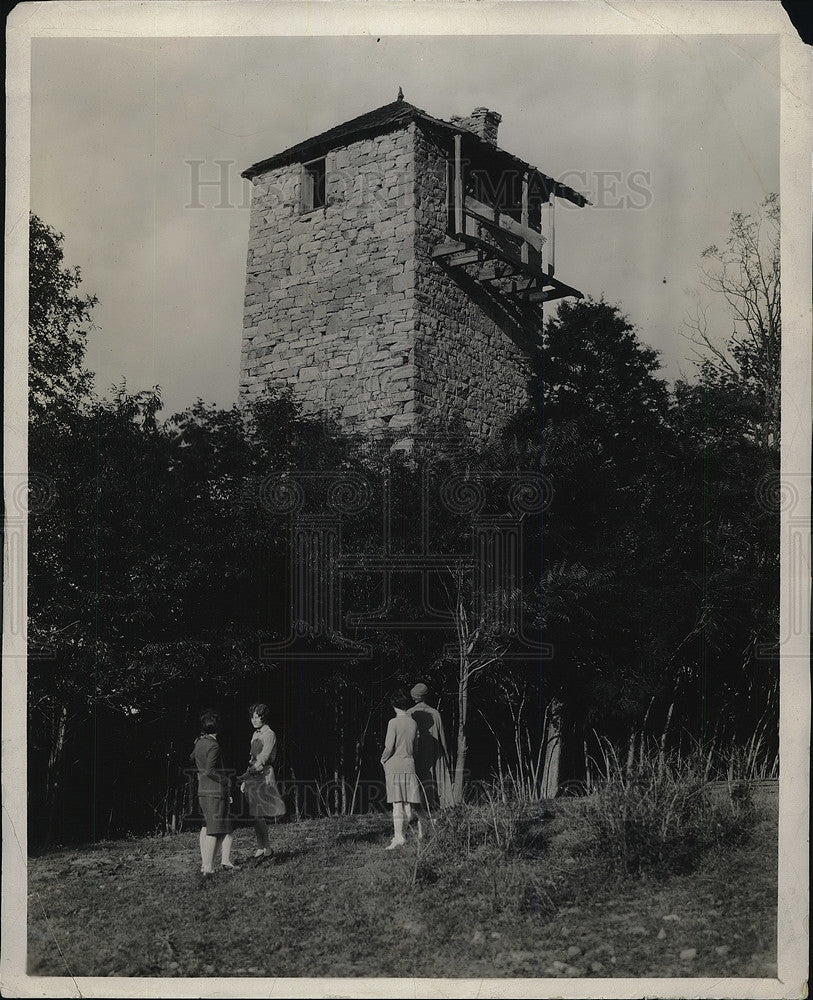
x=667, y=136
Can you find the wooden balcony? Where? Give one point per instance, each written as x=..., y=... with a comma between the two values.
x=497, y=245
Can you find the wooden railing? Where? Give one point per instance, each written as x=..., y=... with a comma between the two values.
x=471, y=217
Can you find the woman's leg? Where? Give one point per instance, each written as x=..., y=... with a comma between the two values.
x=397, y=825
x=416, y=811
x=412, y=812
x=225, y=850
x=261, y=831
x=208, y=853
x=202, y=847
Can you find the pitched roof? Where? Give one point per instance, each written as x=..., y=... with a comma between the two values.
x=388, y=117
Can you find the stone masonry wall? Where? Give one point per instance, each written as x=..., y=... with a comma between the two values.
x=329, y=305
x=467, y=352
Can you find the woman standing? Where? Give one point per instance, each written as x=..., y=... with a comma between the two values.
x=398, y=758
x=258, y=783
x=432, y=757
x=213, y=795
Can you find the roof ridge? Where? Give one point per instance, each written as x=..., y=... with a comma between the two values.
x=391, y=114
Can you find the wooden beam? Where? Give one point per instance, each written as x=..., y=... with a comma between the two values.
x=504, y=254
x=507, y=271
x=458, y=184
x=452, y=248
x=552, y=232
x=449, y=194
x=492, y=219
x=447, y=248
x=465, y=257
x=557, y=291
x=524, y=249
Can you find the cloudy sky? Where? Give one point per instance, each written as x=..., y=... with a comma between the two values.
x=666, y=135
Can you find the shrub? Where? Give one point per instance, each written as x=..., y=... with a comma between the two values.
x=508, y=825
x=659, y=810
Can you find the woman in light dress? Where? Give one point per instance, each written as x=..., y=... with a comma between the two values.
x=259, y=783
x=398, y=758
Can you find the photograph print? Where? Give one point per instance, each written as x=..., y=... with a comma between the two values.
x=410, y=539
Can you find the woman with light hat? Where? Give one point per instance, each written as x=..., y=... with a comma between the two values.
x=432, y=757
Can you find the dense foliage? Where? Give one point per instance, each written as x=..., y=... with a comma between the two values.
x=58, y=323
x=162, y=577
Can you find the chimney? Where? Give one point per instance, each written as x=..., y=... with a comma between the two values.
x=482, y=122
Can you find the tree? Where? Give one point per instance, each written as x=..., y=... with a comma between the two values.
x=480, y=644
x=57, y=328
x=155, y=577
x=597, y=429
x=727, y=428
x=86, y=553
x=745, y=271
x=725, y=547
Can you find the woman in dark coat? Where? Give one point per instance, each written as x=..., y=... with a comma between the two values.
x=213, y=794
x=432, y=757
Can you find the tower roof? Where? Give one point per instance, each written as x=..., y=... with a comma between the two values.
x=399, y=114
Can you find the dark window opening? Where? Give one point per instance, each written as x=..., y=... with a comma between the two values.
x=313, y=185
x=501, y=190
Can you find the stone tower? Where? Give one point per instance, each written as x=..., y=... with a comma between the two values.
x=397, y=266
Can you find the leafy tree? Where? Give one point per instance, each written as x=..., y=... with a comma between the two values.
x=162, y=566
x=745, y=273
x=597, y=429
x=725, y=549
x=727, y=427
x=58, y=323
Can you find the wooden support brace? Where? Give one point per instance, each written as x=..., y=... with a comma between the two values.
x=550, y=294
x=499, y=222
x=470, y=249
x=552, y=233
x=465, y=257
x=458, y=183
x=448, y=248
x=565, y=294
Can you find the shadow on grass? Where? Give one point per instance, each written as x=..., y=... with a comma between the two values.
x=288, y=854
x=361, y=837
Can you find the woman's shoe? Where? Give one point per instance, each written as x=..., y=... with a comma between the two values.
x=229, y=866
x=395, y=842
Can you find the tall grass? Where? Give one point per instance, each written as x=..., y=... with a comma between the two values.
x=490, y=826
x=755, y=761
x=525, y=772
x=647, y=807
x=658, y=807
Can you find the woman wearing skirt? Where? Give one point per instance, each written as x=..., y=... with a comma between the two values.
x=213, y=795
x=398, y=758
x=259, y=783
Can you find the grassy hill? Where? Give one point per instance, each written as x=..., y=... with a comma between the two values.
x=529, y=896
